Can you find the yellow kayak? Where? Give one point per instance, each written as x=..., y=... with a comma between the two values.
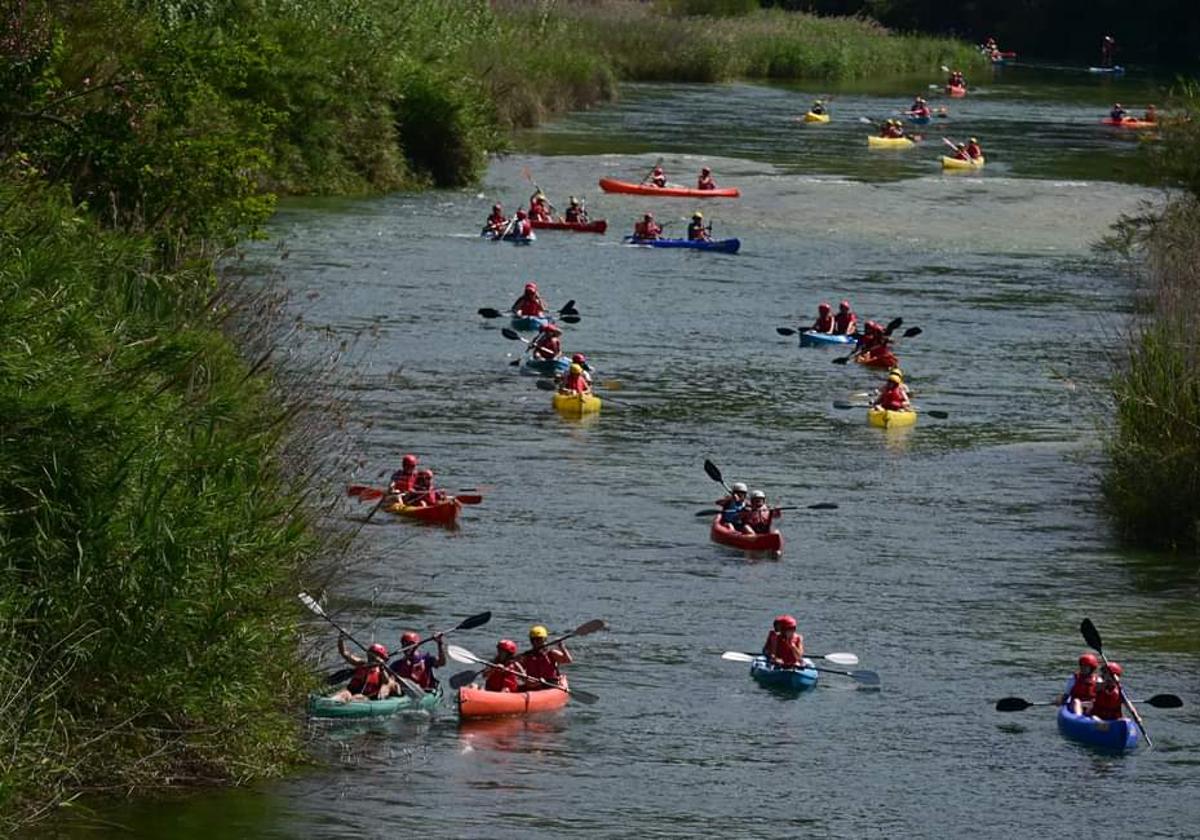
x=884, y=419
x=576, y=404
x=959, y=163
x=811, y=117
x=876, y=142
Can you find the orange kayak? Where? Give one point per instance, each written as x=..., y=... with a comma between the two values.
x=477, y=703
x=612, y=185
x=443, y=513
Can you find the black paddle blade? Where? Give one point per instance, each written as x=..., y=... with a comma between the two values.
x=893, y=325
x=584, y=697
x=514, y=363
x=475, y=621
x=589, y=627
x=841, y=360
x=545, y=385
x=1012, y=704
x=713, y=472
x=912, y=332
x=343, y=674
x=1164, y=701
x=488, y=312
x=510, y=334
x=570, y=319
x=785, y=331
x=1091, y=635
x=569, y=308
x=709, y=512
x=940, y=415
x=864, y=677
x=843, y=405
x=463, y=678
x=823, y=506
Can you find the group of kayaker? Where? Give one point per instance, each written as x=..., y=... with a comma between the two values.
x=971, y=150
x=374, y=678
x=872, y=347
x=892, y=129
x=845, y=322
x=509, y=671
x=746, y=511
x=648, y=229
x=1094, y=689
x=658, y=177
x=413, y=487
x=540, y=211
x=1119, y=114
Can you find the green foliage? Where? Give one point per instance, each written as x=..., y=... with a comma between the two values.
x=710, y=8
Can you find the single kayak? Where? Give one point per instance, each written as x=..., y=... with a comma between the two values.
x=959, y=163
x=612, y=185
x=529, y=323
x=323, y=707
x=879, y=359
x=1121, y=734
x=598, y=226
x=724, y=246
x=795, y=679
x=882, y=418
x=442, y=513
x=477, y=703
x=1117, y=69
x=1129, y=122
x=727, y=536
x=576, y=404
x=816, y=118
x=510, y=237
x=544, y=367
x=876, y=142
x=808, y=338
x=956, y=90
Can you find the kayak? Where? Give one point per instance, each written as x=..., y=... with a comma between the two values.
x=918, y=120
x=1129, y=122
x=510, y=237
x=724, y=246
x=576, y=404
x=956, y=90
x=796, y=679
x=529, y=323
x=876, y=142
x=323, y=707
x=882, y=418
x=1117, y=69
x=885, y=359
x=1121, y=734
x=477, y=703
x=959, y=163
x=612, y=185
x=725, y=535
x=442, y=513
x=545, y=367
x=808, y=338
x=817, y=118
x=598, y=226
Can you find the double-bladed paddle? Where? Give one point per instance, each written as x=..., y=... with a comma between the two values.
x=817, y=506
x=1092, y=637
x=365, y=494
x=835, y=658
x=862, y=677
x=470, y=623
x=891, y=327
x=409, y=687
x=461, y=654
x=568, y=311
x=586, y=629
x=842, y=405
x=714, y=473
x=1020, y=704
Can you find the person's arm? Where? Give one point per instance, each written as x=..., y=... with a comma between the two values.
x=561, y=655
x=346, y=655
x=798, y=644
x=441, y=648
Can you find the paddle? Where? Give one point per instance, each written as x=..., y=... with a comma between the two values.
x=715, y=474
x=406, y=684
x=842, y=405
x=547, y=385
x=586, y=629
x=817, y=506
x=646, y=177
x=365, y=494
x=1019, y=704
x=1092, y=637
x=568, y=310
x=836, y=658
x=529, y=177
x=461, y=654
x=891, y=327
x=477, y=620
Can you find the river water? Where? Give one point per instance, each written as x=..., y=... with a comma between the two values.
x=962, y=558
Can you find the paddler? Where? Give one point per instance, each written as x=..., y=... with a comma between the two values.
x=903, y=385
x=530, y=303
x=705, y=181
x=892, y=397
x=818, y=108
x=542, y=663
x=581, y=360
x=957, y=79
x=404, y=479
x=576, y=213
x=418, y=667
x=825, y=319
x=657, y=177
x=1081, y=685
x=423, y=493
x=371, y=680
x=1117, y=114
x=758, y=516
x=732, y=507
x=1108, y=48
x=872, y=344
x=497, y=222
x=1108, y=701
x=539, y=207
x=920, y=108
x=974, y=150
x=1151, y=114
x=505, y=680
x=521, y=228
x=845, y=322
x=960, y=152
x=647, y=228
x=547, y=345
x=784, y=647
x=696, y=230
x=576, y=381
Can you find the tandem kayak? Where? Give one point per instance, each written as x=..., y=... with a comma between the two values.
x=1129, y=122
x=576, y=404
x=529, y=323
x=1119, y=735
x=442, y=513
x=727, y=536
x=323, y=707
x=956, y=90
x=612, y=185
x=477, y=703
x=509, y=237
x=795, y=679
x=808, y=338
x=598, y=226
x=544, y=367
x=724, y=246
x=882, y=418
x=816, y=118
x=959, y=163
x=876, y=142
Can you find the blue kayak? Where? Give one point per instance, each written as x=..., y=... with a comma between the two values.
x=545, y=367
x=724, y=246
x=510, y=237
x=795, y=679
x=918, y=120
x=529, y=323
x=1116, y=735
x=808, y=338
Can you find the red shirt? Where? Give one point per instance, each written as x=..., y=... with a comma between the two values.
x=646, y=230
x=706, y=182
x=845, y=323
x=1084, y=687
x=403, y=482
x=366, y=680
x=522, y=228
x=892, y=397
x=658, y=178
x=758, y=518
x=779, y=648
x=974, y=150
x=1107, y=705
x=546, y=346
x=529, y=304
x=575, y=382
x=539, y=665
x=498, y=680
x=419, y=669
x=824, y=323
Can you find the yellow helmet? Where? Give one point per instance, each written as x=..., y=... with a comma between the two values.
x=537, y=631
x=697, y=215
x=896, y=371
x=973, y=140
x=895, y=377
x=575, y=369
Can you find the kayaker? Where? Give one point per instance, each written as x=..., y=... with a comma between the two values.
x=404, y=479
x=1117, y=114
x=418, y=667
x=657, y=177
x=371, y=680
x=647, y=228
x=784, y=647
x=960, y=151
x=892, y=129
x=521, y=228
x=576, y=381
x=576, y=212
x=732, y=507
x=974, y=150
x=542, y=663
x=505, y=680
x=845, y=322
x=705, y=181
x=892, y=397
x=423, y=493
x=818, y=108
x=920, y=108
x=1108, y=48
x=530, y=303
x=758, y=516
x=957, y=79
x=1151, y=114
x=1081, y=686
x=903, y=385
x=1108, y=701
x=872, y=343
x=581, y=360
x=539, y=207
x=497, y=222
x=825, y=319
x=547, y=345
x=990, y=45
x=696, y=229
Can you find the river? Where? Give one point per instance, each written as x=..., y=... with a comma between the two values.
x=958, y=566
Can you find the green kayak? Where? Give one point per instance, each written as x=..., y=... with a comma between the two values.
x=323, y=707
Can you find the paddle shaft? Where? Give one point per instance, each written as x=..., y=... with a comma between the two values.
x=406, y=684
x=470, y=623
x=1092, y=638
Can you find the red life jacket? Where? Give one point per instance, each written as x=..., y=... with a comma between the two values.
x=777, y=646
x=546, y=346
x=844, y=323
x=1084, y=687
x=498, y=680
x=974, y=151
x=540, y=665
x=529, y=304
x=757, y=518
x=522, y=228
x=824, y=323
x=497, y=220
x=646, y=230
x=403, y=482
x=892, y=397
x=367, y=680
x=659, y=178
x=872, y=341
x=574, y=214
x=1107, y=705
x=539, y=213
x=706, y=182
x=575, y=382
x=416, y=669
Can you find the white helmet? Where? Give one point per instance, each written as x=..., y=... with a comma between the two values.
x=738, y=487
x=758, y=494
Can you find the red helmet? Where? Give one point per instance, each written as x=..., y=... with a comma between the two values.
x=409, y=461
x=658, y=168
x=649, y=217
x=844, y=306
x=1089, y=660
x=873, y=327
x=506, y=646
x=410, y=638
x=531, y=287
x=553, y=329
x=704, y=170
x=785, y=622
x=425, y=473
x=379, y=650
x=521, y=214
x=497, y=207
x=824, y=307
x=1115, y=669
x=578, y=359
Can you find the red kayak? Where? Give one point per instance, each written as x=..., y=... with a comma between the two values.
x=724, y=535
x=598, y=226
x=1129, y=122
x=443, y=513
x=612, y=185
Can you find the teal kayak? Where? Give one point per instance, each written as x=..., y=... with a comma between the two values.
x=322, y=707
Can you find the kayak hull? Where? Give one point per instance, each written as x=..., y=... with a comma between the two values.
x=874, y=142
x=960, y=164
x=882, y=418
x=810, y=117
x=886, y=359
x=323, y=707
x=1117, y=69
x=612, y=185
x=598, y=226
x=576, y=405
x=956, y=91
x=724, y=535
x=442, y=513
x=476, y=703
x=723, y=246
x=808, y=338
x=545, y=367
x=1117, y=735
x=515, y=240
x=791, y=679
x=1128, y=122
x=529, y=323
